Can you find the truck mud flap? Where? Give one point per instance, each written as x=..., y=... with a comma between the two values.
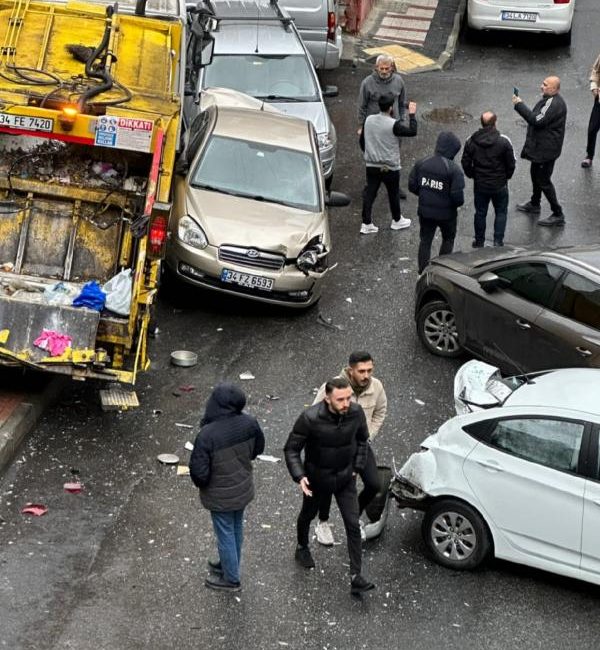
x=26, y=320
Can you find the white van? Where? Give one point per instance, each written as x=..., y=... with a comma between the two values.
x=317, y=22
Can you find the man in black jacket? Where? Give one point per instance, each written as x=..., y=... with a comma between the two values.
x=488, y=158
x=333, y=435
x=439, y=183
x=221, y=467
x=543, y=145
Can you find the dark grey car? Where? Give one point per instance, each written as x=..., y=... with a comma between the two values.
x=520, y=309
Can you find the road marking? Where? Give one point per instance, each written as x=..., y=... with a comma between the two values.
x=404, y=58
x=410, y=28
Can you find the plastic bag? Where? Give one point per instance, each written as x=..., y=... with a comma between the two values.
x=118, y=293
x=60, y=293
x=91, y=296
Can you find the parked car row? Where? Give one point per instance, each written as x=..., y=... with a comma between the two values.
x=249, y=215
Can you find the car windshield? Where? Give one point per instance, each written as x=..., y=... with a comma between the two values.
x=274, y=78
x=258, y=171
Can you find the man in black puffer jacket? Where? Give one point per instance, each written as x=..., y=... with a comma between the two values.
x=439, y=183
x=489, y=159
x=333, y=435
x=221, y=467
x=543, y=145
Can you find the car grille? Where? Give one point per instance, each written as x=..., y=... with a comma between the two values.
x=251, y=257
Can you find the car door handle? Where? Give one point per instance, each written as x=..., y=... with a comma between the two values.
x=522, y=324
x=584, y=352
x=490, y=464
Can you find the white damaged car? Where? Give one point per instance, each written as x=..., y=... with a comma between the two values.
x=515, y=475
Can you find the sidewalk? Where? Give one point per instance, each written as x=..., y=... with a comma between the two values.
x=22, y=406
x=420, y=35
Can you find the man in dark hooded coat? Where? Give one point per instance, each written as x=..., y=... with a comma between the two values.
x=439, y=183
x=221, y=467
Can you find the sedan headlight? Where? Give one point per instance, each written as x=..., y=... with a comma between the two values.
x=324, y=140
x=313, y=256
x=190, y=233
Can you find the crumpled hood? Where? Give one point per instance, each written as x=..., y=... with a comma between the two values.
x=447, y=145
x=486, y=136
x=225, y=400
x=240, y=221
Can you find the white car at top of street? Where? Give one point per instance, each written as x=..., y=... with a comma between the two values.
x=551, y=16
x=516, y=475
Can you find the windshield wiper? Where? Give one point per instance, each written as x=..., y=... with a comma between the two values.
x=212, y=188
x=281, y=98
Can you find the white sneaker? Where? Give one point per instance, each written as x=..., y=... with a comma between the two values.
x=368, y=228
x=363, y=532
x=399, y=225
x=324, y=534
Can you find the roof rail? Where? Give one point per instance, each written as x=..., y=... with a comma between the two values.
x=279, y=16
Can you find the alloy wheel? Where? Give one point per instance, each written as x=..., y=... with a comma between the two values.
x=453, y=536
x=441, y=332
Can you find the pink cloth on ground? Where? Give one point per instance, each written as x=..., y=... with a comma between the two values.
x=54, y=342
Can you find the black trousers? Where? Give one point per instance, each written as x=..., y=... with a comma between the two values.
x=427, y=233
x=348, y=505
x=541, y=174
x=391, y=180
x=593, y=128
x=371, y=485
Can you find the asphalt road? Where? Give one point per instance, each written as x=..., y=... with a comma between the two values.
x=121, y=566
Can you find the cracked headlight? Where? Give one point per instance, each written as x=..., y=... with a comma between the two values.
x=324, y=140
x=313, y=256
x=190, y=233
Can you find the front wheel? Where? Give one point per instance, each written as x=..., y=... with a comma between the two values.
x=456, y=535
x=436, y=327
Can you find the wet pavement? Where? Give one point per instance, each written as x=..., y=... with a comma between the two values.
x=121, y=566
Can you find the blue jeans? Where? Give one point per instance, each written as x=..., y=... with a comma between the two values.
x=499, y=200
x=229, y=530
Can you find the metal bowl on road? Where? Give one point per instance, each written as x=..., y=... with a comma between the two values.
x=184, y=358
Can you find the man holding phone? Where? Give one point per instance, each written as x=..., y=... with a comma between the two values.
x=543, y=145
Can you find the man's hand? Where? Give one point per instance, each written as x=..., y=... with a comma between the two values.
x=412, y=108
x=304, y=486
x=516, y=99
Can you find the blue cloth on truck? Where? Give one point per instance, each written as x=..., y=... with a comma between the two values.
x=91, y=296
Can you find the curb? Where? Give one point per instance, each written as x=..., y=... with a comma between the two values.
x=24, y=418
x=447, y=56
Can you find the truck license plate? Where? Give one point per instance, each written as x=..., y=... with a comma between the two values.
x=246, y=280
x=524, y=16
x=26, y=122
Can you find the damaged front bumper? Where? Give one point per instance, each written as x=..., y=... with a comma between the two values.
x=410, y=482
x=408, y=495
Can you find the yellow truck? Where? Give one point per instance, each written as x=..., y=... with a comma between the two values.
x=90, y=99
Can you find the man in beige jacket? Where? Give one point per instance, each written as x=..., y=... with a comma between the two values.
x=594, y=124
x=368, y=392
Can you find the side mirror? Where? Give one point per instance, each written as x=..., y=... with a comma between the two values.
x=330, y=91
x=182, y=166
x=490, y=281
x=336, y=199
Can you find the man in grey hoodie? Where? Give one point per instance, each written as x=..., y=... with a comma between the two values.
x=384, y=80
x=379, y=140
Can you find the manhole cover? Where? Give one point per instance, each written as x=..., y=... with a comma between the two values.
x=448, y=115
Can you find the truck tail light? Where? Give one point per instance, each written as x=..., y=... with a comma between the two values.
x=561, y=2
x=157, y=236
x=331, y=25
